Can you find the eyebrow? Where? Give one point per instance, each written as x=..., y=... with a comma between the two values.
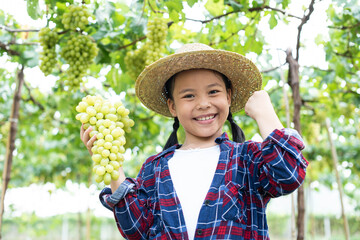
x=192, y=90
x=186, y=90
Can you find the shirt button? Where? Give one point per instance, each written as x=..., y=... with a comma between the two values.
x=199, y=231
x=207, y=202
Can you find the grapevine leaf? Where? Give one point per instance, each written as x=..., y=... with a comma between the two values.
x=215, y=8
x=118, y=19
x=273, y=21
x=234, y=4
x=191, y=2
x=31, y=58
x=33, y=9
x=174, y=15
x=2, y=17
x=174, y=6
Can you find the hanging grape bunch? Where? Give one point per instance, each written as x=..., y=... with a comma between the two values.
x=109, y=123
x=48, y=39
x=77, y=17
x=156, y=37
x=152, y=49
x=135, y=61
x=79, y=53
x=79, y=50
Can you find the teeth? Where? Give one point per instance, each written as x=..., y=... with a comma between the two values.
x=205, y=118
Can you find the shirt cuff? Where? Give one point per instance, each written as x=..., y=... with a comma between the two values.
x=294, y=133
x=110, y=200
x=288, y=139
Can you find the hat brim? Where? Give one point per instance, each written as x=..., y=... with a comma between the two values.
x=244, y=76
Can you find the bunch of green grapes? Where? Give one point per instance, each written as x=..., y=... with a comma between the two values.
x=149, y=52
x=77, y=17
x=135, y=61
x=48, y=39
x=156, y=39
x=79, y=52
x=109, y=123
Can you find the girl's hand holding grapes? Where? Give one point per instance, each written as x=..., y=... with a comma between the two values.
x=85, y=138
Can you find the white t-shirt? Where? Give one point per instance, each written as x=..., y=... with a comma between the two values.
x=192, y=172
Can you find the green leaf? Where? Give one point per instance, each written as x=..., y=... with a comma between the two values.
x=33, y=9
x=191, y=2
x=215, y=8
x=234, y=4
x=174, y=15
x=118, y=19
x=273, y=21
x=2, y=17
x=175, y=5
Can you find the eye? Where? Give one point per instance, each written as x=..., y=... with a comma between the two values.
x=188, y=96
x=214, y=91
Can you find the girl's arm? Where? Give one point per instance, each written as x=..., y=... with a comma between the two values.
x=259, y=108
x=280, y=167
x=85, y=138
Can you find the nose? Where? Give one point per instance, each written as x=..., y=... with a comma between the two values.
x=203, y=103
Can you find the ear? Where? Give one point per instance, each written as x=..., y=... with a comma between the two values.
x=229, y=96
x=171, y=106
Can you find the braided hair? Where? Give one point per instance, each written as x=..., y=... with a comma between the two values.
x=237, y=133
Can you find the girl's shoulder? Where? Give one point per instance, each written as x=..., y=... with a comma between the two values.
x=154, y=159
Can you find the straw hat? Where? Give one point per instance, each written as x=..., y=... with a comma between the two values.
x=244, y=75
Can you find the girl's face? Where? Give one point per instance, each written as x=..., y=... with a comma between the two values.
x=201, y=103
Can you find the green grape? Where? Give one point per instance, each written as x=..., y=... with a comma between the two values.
x=76, y=17
x=109, y=168
x=109, y=148
x=100, y=170
x=135, y=61
x=107, y=178
x=48, y=39
x=157, y=31
x=79, y=59
x=96, y=158
x=115, y=175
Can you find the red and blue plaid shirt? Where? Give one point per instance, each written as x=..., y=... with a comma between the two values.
x=247, y=176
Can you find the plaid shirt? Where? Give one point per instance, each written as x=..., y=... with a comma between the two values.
x=247, y=176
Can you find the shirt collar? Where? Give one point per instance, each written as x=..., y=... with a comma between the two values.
x=222, y=138
x=171, y=150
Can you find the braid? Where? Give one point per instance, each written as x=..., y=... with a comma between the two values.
x=172, y=140
x=237, y=133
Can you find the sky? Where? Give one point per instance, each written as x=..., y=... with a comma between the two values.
x=78, y=198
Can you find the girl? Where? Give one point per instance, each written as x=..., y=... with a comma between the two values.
x=208, y=187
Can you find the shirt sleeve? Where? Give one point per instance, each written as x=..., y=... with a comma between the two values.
x=279, y=167
x=130, y=204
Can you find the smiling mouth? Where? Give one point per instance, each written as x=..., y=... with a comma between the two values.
x=205, y=118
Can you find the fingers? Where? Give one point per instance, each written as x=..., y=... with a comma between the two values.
x=85, y=134
x=85, y=138
x=90, y=143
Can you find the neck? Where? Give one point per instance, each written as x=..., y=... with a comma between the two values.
x=198, y=143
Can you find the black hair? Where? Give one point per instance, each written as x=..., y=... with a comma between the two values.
x=172, y=140
x=237, y=133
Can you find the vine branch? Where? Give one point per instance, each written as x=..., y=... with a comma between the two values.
x=345, y=27
x=255, y=9
x=6, y=48
x=11, y=30
x=31, y=98
x=304, y=20
x=273, y=68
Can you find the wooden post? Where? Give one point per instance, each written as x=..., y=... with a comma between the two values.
x=338, y=180
x=287, y=109
x=10, y=146
x=294, y=82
